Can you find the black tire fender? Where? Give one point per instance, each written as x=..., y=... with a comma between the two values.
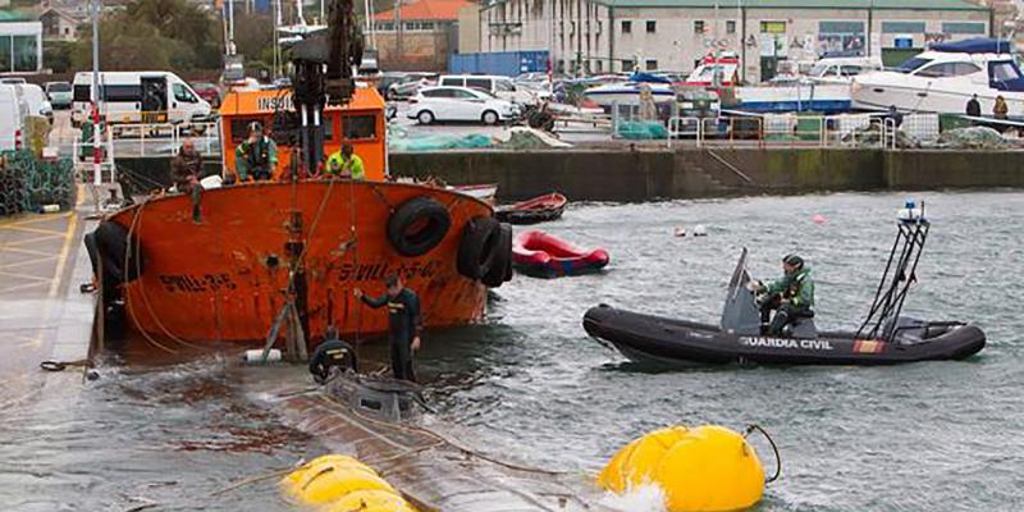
x=501, y=264
x=417, y=226
x=477, y=247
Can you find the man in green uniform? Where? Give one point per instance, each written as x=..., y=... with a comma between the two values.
x=792, y=296
x=404, y=324
x=345, y=164
x=256, y=157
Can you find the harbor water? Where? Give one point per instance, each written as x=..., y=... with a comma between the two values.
x=532, y=387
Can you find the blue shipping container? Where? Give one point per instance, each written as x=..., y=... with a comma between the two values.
x=498, y=63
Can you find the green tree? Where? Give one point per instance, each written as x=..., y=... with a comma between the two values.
x=254, y=38
x=57, y=55
x=154, y=34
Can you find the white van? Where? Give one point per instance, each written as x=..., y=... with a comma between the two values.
x=138, y=96
x=11, y=118
x=500, y=86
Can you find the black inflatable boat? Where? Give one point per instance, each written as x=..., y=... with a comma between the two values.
x=648, y=338
x=880, y=339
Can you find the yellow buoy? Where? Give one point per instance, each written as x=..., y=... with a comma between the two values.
x=343, y=483
x=708, y=468
x=370, y=501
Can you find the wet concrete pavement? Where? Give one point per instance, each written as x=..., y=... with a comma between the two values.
x=43, y=315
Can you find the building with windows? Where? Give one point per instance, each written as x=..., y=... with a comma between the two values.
x=59, y=25
x=418, y=36
x=21, y=47
x=594, y=36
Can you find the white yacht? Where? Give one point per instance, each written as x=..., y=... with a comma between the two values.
x=628, y=92
x=944, y=78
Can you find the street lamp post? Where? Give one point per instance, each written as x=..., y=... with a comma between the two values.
x=96, y=132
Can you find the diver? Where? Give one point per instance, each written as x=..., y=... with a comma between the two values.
x=404, y=323
x=331, y=356
x=792, y=296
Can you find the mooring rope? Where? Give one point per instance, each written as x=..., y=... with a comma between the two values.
x=778, y=459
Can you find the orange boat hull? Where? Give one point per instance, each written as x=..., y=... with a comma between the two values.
x=225, y=278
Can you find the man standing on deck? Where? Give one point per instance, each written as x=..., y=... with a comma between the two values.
x=345, y=164
x=792, y=296
x=404, y=323
x=186, y=168
x=256, y=157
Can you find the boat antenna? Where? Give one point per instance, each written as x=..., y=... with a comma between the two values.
x=899, y=273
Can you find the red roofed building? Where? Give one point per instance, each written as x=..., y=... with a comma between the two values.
x=419, y=36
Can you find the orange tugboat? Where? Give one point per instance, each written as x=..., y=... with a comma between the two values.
x=283, y=256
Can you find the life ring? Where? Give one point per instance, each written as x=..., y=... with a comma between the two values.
x=501, y=265
x=108, y=244
x=478, y=247
x=417, y=226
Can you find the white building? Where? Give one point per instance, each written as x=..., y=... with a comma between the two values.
x=615, y=35
x=21, y=47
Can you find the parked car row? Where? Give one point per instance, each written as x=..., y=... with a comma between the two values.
x=467, y=104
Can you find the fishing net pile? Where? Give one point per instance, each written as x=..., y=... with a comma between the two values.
x=974, y=137
x=28, y=183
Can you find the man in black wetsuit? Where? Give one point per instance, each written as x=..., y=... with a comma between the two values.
x=404, y=324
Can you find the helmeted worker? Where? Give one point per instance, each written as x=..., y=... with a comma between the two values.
x=345, y=164
x=792, y=296
x=256, y=157
x=330, y=356
x=404, y=324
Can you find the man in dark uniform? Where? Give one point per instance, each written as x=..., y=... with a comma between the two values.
x=330, y=355
x=404, y=324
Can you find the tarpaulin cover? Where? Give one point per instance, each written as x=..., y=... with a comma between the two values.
x=974, y=45
x=640, y=130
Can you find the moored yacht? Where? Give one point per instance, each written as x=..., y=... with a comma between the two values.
x=944, y=78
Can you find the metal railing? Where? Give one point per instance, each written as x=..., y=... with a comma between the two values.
x=162, y=139
x=792, y=131
x=84, y=152
x=684, y=127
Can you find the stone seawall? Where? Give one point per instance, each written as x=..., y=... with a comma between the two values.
x=660, y=173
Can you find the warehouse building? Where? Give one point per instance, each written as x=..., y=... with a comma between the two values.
x=595, y=36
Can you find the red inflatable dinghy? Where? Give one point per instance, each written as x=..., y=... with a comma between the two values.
x=539, y=254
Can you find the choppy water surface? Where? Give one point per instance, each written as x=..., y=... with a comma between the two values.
x=930, y=436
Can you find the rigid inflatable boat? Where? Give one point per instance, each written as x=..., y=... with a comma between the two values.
x=538, y=254
x=885, y=337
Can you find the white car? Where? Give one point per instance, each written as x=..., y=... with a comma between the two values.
x=500, y=86
x=459, y=104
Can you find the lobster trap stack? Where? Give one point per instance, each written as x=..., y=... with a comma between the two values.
x=28, y=184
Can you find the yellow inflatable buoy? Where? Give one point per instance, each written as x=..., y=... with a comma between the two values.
x=708, y=468
x=341, y=481
x=370, y=501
